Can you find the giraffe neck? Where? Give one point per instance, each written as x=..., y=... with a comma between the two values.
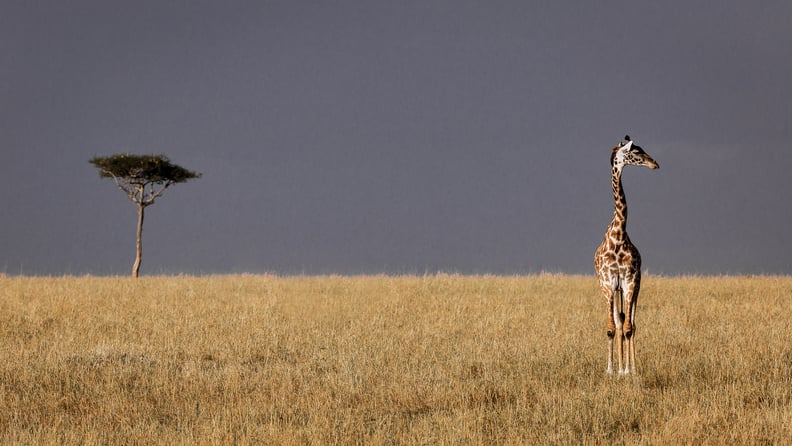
x=619, y=221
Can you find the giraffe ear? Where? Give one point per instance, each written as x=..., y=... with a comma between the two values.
x=627, y=146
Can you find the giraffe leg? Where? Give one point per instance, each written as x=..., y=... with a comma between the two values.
x=620, y=341
x=609, y=370
x=632, y=339
x=618, y=318
x=629, y=348
x=611, y=332
x=632, y=350
x=629, y=325
x=629, y=361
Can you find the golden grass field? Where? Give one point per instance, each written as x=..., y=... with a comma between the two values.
x=434, y=360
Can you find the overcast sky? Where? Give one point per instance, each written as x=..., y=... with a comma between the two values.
x=396, y=136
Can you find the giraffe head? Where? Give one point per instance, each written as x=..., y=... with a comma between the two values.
x=629, y=153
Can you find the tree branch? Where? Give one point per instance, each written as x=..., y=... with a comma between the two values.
x=155, y=193
x=124, y=185
x=135, y=188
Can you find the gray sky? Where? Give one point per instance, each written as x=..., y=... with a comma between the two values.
x=396, y=136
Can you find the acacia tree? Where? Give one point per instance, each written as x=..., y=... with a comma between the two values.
x=143, y=178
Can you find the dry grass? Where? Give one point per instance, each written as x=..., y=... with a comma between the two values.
x=389, y=360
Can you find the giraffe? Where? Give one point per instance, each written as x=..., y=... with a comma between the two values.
x=618, y=263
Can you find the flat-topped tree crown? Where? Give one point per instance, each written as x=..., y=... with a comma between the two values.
x=148, y=168
x=143, y=178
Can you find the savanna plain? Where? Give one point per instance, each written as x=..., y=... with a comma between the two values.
x=417, y=360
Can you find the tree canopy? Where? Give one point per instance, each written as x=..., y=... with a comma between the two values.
x=142, y=177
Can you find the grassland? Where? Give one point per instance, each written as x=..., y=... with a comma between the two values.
x=389, y=360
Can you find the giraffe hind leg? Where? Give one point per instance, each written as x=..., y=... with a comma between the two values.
x=618, y=318
x=629, y=332
x=611, y=335
x=610, y=329
x=625, y=354
x=631, y=351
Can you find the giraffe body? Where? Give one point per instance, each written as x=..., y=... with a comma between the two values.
x=618, y=263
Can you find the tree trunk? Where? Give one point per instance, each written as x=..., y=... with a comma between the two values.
x=139, y=242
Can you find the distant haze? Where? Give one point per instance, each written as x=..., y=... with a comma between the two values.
x=397, y=137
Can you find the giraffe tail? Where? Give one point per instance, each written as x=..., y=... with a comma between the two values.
x=616, y=290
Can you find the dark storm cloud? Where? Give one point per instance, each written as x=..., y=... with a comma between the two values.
x=396, y=136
